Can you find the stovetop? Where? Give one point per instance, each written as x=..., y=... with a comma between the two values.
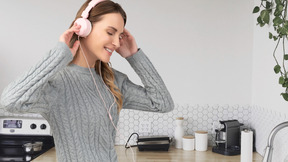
x=11, y=147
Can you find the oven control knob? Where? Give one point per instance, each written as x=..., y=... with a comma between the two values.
x=33, y=126
x=28, y=158
x=43, y=126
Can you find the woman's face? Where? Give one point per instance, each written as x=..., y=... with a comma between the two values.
x=104, y=38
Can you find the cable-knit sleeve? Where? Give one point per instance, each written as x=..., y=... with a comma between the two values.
x=154, y=96
x=33, y=91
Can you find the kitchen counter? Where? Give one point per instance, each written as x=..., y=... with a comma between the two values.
x=173, y=155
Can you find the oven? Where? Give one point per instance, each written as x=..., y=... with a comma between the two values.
x=24, y=138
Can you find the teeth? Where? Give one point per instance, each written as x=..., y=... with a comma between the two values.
x=108, y=50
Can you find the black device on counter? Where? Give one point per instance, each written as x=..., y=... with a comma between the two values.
x=151, y=143
x=154, y=143
x=228, y=139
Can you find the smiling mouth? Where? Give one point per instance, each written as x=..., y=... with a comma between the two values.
x=107, y=49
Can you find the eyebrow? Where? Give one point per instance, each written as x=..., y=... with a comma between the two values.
x=114, y=29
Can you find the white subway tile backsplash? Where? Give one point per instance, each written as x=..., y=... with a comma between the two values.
x=264, y=120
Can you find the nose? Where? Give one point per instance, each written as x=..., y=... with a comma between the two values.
x=116, y=42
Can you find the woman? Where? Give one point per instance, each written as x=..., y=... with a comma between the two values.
x=67, y=89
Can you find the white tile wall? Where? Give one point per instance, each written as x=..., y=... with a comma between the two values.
x=196, y=117
x=264, y=120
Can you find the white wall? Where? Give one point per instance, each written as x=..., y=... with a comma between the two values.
x=28, y=30
x=269, y=108
x=265, y=88
x=201, y=48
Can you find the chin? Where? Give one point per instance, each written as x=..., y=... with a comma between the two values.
x=105, y=60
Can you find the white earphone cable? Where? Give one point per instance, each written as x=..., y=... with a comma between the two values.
x=93, y=78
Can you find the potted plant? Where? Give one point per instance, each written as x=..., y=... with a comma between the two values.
x=275, y=12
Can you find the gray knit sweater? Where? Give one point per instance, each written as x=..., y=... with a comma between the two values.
x=67, y=98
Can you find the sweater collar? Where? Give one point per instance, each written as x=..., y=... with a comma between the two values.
x=81, y=69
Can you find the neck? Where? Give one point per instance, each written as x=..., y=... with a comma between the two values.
x=80, y=60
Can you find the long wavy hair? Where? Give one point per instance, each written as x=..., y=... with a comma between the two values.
x=95, y=15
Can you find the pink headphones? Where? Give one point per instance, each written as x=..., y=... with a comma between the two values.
x=85, y=24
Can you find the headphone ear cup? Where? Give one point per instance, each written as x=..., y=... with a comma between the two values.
x=86, y=27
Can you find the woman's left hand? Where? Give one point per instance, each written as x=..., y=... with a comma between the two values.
x=128, y=45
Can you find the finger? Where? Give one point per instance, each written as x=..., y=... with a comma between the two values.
x=128, y=35
x=75, y=47
x=67, y=35
x=126, y=32
x=74, y=29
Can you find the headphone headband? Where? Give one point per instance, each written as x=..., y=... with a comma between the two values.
x=86, y=25
x=91, y=4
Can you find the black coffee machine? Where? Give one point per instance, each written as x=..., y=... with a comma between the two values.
x=228, y=139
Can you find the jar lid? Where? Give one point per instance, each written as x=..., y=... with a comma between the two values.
x=201, y=132
x=188, y=137
x=179, y=118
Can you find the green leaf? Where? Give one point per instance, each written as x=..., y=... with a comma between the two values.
x=283, y=31
x=285, y=96
x=275, y=38
x=259, y=20
x=286, y=24
x=277, y=69
x=256, y=9
x=281, y=80
x=261, y=25
x=277, y=13
x=279, y=8
x=285, y=84
x=265, y=16
x=268, y=5
x=270, y=35
x=277, y=21
x=286, y=57
x=278, y=1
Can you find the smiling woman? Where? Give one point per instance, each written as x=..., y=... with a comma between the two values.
x=75, y=89
x=201, y=48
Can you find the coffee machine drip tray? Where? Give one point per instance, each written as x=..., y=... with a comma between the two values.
x=232, y=150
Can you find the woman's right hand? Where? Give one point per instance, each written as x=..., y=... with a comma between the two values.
x=67, y=35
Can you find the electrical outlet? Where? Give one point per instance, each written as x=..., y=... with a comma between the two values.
x=145, y=127
x=215, y=125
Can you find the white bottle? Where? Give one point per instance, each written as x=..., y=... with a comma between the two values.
x=179, y=132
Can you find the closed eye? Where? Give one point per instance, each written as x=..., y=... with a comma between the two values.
x=121, y=36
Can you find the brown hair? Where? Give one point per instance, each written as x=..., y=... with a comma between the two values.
x=95, y=15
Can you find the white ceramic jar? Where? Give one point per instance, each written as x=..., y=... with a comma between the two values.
x=201, y=141
x=188, y=143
